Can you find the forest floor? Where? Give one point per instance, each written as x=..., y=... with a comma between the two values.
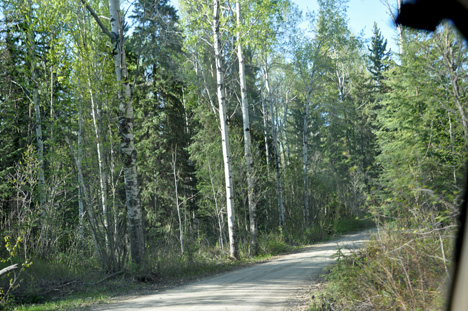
x=283, y=283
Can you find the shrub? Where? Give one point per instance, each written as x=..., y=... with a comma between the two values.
x=273, y=244
x=11, y=261
x=399, y=270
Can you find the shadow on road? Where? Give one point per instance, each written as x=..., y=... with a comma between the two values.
x=266, y=286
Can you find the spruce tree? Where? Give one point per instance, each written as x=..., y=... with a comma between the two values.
x=378, y=57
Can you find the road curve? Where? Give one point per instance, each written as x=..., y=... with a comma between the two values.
x=267, y=286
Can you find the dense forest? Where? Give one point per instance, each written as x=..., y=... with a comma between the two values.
x=131, y=132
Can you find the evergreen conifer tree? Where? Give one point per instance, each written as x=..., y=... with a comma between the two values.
x=378, y=57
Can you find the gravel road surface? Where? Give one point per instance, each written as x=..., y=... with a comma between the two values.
x=267, y=286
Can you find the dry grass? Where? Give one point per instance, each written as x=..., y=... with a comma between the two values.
x=399, y=270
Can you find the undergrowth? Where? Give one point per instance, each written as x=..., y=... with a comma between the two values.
x=400, y=269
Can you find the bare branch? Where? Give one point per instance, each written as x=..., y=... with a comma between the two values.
x=98, y=20
x=8, y=269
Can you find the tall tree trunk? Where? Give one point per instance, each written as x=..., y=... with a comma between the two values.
x=279, y=188
x=247, y=140
x=305, y=147
x=86, y=202
x=78, y=161
x=305, y=152
x=37, y=113
x=284, y=141
x=267, y=156
x=224, y=134
x=96, y=111
x=114, y=176
x=39, y=138
x=219, y=212
x=127, y=147
x=181, y=227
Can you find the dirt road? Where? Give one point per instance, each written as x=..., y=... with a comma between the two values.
x=267, y=286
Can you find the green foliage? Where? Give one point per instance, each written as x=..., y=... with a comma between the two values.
x=273, y=244
x=11, y=258
x=378, y=57
x=417, y=196
x=420, y=142
x=394, y=272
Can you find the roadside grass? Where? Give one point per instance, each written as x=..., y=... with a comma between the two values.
x=67, y=303
x=272, y=244
x=400, y=269
x=60, y=286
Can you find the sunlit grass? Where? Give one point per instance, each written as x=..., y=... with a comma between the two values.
x=69, y=303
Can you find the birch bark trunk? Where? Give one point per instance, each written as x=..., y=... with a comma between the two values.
x=267, y=156
x=102, y=176
x=233, y=251
x=219, y=212
x=127, y=147
x=247, y=139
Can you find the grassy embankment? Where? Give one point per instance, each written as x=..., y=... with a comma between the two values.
x=401, y=269
x=77, y=283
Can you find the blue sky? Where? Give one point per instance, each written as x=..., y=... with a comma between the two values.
x=361, y=14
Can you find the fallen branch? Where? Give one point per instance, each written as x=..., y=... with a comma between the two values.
x=53, y=287
x=8, y=269
x=108, y=277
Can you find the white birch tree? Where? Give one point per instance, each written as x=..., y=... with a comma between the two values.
x=127, y=146
x=233, y=250
x=247, y=139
